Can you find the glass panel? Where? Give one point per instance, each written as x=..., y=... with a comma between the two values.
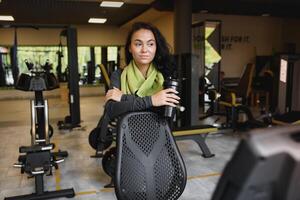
x=112, y=54
x=98, y=61
x=84, y=55
x=38, y=55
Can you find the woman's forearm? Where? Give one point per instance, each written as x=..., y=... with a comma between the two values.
x=128, y=103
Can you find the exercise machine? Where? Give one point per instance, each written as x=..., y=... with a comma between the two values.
x=287, y=89
x=265, y=166
x=37, y=159
x=2, y=69
x=195, y=133
x=71, y=74
x=73, y=120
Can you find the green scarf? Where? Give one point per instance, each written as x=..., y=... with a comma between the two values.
x=133, y=81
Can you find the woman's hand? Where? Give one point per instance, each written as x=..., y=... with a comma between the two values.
x=113, y=94
x=165, y=97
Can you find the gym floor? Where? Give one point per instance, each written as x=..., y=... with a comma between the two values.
x=83, y=173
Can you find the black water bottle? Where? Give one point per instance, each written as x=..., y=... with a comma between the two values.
x=170, y=83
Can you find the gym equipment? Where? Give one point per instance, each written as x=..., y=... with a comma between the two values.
x=287, y=89
x=196, y=133
x=262, y=87
x=6, y=77
x=148, y=163
x=287, y=118
x=38, y=81
x=97, y=143
x=60, y=55
x=37, y=160
x=109, y=162
x=91, y=67
x=105, y=76
x=14, y=58
x=265, y=166
x=2, y=71
x=288, y=92
x=183, y=128
x=234, y=101
x=101, y=144
x=187, y=123
x=189, y=90
x=73, y=120
x=206, y=48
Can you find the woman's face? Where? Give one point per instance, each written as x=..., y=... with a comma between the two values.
x=143, y=47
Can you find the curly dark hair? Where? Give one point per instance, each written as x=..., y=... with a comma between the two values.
x=162, y=59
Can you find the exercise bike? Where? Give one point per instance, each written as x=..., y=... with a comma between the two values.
x=37, y=159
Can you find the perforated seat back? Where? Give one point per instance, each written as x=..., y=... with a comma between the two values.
x=149, y=165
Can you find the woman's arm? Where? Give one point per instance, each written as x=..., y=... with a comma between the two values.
x=132, y=103
x=118, y=103
x=165, y=97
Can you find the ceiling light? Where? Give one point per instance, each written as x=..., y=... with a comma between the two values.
x=3, y=49
x=6, y=18
x=113, y=4
x=203, y=11
x=97, y=20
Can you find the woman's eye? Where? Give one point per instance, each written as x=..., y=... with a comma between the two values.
x=138, y=44
x=151, y=44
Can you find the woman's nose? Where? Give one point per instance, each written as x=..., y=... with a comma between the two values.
x=144, y=48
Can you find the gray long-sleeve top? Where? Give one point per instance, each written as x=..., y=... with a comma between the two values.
x=128, y=103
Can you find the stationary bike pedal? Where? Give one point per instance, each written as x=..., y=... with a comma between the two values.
x=98, y=154
x=18, y=165
x=60, y=160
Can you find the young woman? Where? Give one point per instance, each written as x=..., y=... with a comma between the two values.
x=140, y=85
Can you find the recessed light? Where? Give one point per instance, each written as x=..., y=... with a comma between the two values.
x=3, y=49
x=203, y=11
x=113, y=4
x=97, y=20
x=6, y=18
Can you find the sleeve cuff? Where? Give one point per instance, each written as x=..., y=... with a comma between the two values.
x=149, y=101
x=124, y=97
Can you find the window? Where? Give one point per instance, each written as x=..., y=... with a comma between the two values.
x=40, y=54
